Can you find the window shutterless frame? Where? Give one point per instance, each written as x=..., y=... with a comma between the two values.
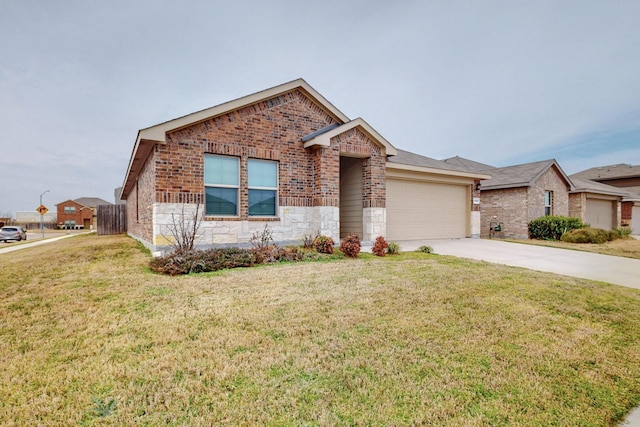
x=222, y=182
x=263, y=187
x=548, y=202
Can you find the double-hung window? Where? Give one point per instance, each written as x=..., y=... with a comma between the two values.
x=548, y=202
x=263, y=187
x=221, y=181
x=69, y=209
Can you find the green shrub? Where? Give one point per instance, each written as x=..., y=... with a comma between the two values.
x=586, y=235
x=323, y=244
x=622, y=232
x=350, y=245
x=380, y=246
x=425, y=249
x=393, y=249
x=552, y=227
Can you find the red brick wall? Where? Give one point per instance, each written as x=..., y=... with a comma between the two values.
x=508, y=206
x=140, y=202
x=516, y=207
x=82, y=212
x=271, y=130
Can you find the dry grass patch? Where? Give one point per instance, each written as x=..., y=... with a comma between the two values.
x=628, y=248
x=90, y=337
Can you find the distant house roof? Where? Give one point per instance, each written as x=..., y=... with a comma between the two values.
x=589, y=186
x=523, y=175
x=427, y=164
x=467, y=164
x=601, y=173
x=91, y=202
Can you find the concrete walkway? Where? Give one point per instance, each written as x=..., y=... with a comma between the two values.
x=586, y=265
x=24, y=245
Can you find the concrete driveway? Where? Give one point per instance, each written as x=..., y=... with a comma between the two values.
x=604, y=268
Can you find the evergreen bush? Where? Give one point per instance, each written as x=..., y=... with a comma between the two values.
x=552, y=227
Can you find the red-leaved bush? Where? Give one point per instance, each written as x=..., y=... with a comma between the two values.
x=350, y=245
x=380, y=246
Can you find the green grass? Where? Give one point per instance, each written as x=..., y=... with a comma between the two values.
x=88, y=336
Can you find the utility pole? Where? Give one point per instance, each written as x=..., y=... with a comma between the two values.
x=42, y=212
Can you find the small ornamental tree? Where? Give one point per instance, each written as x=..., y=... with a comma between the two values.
x=380, y=246
x=350, y=245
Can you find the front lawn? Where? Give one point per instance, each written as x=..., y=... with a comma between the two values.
x=89, y=336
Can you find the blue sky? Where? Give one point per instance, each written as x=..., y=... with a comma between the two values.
x=499, y=82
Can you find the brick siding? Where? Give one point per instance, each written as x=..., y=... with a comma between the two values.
x=516, y=207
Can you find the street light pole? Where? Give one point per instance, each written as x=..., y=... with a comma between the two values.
x=42, y=216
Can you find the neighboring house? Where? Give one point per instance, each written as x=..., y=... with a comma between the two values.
x=625, y=177
x=288, y=159
x=596, y=204
x=79, y=213
x=515, y=195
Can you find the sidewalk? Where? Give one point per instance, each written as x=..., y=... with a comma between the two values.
x=17, y=247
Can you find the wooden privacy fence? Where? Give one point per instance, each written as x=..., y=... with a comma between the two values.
x=112, y=219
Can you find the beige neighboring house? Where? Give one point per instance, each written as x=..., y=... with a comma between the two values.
x=625, y=177
x=288, y=159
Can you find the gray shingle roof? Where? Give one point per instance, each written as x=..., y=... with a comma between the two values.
x=519, y=175
x=621, y=170
x=469, y=165
x=589, y=186
x=407, y=158
x=92, y=202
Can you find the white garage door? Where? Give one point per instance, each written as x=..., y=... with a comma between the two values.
x=425, y=210
x=600, y=213
x=635, y=220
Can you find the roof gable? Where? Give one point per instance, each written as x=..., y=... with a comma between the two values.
x=147, y=138
x=323, y=136
x=524, y=175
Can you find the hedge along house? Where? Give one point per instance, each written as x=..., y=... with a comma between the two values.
x=285, y=158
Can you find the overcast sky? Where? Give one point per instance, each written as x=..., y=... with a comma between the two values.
x=500, y=82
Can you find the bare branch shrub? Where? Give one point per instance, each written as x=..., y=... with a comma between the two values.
x=184, y=227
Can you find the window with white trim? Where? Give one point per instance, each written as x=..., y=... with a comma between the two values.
x=221, y=181
x=263, y=187
x=69, y=209
x=548, y=202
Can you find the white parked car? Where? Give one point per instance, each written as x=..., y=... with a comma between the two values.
x=12, y=232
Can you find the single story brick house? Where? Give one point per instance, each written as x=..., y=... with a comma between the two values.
x=287, y=158
x=626, y=177
x=517, y=194
x=79, y=213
